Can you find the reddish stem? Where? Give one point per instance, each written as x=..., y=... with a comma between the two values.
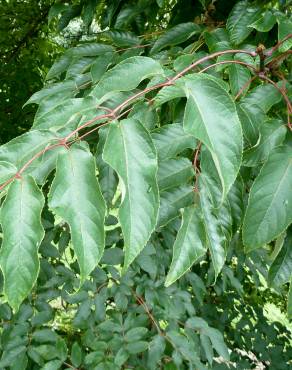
x=245, y=86
x=228, y=62
x=112, y=115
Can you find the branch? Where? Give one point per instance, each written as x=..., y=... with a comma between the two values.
x=113, y=114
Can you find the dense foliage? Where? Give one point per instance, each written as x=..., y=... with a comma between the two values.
x=146, y=214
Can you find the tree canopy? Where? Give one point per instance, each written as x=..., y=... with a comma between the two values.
x=145, y=184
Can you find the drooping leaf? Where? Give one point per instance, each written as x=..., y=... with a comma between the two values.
x=174, y=172
x=107, y=178
x=127, y=75
x=269, y=209
x=210, y=116
x=239, y=76
x=129, y=150
x=242, y=15
x=22, y=234
x=272, y=134
x=280, y=270
x=284, y=29
x=171, y=140
x=189, y=245
x=251, y=117
x=175, y=35
x=213, y=228
x=171, y=201
x=100, y=66
x=76, y=197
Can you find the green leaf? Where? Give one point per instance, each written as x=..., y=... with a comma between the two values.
x=280, y=270
x=265, y=23
x=135, y=334
x=214, y=121
x=289, y=301
x=272, y=134
x=284, y=29
x=22, y=234
x=123, y=38
x=129, y=150
x=242, y=15
x=21, y=149
x=171, y=201
x=171, y=140
x=174, y=172
x=7, y=170
x=239, y=75
x=76, y=197
x=264, y=96
x=214, y=234
x=76, y=355
x=107, y=178
x=175, y=35
x=217, y=341
x=91, y=50
x=68, y=114
x=155, y=352
x=269, y=209
x=251, y=117
x=136, y=347
x=100, y=66
x=127, y=75
x=189, y=245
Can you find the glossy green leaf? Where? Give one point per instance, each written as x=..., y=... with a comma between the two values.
x=210, y=116
x=174, y=172
x=68, y=114
x=265, y=23
x=22, y=234
x=272, y=134
x=171, y=201
x=269, y=209
x=22, y=148
x=213, y=228
x=251, y=117
x=239, y=76
x=281, y=269
x=127, y=75
x=76, y=197
x=264, y=96
x=242, y=15
x=129, y=150
x=171, y=140
x=284, y=29
x=100, y=66
x=175, y=35
x=189, y=245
